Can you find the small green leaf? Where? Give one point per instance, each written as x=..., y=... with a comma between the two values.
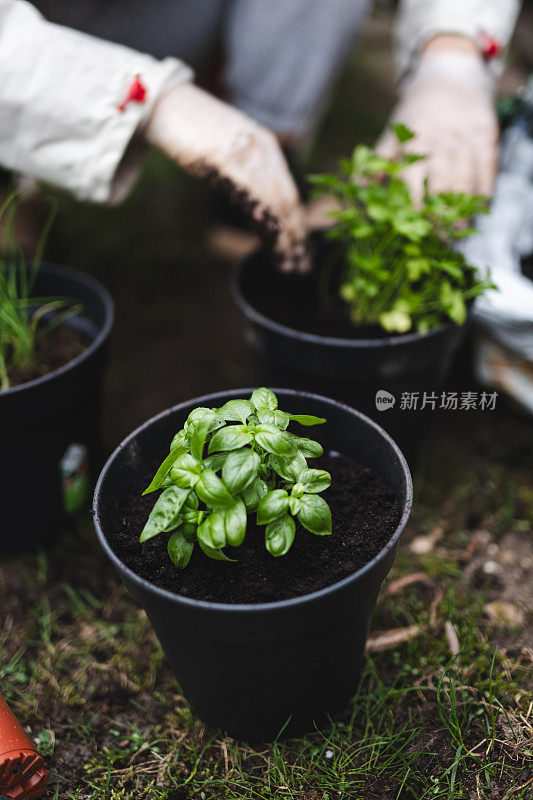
x=215, y=461
x=272, y=506
x=253, y=493
x=295, y=505
x=315, y=480
x=216, y=555
x=211, y=490
x=180, y=440
x=165, y=511
x=236, y=410
x=205, y=413
x=264, y=398
x=163, y=470
x=232, y=437
x=186, y=471
x=315, y=514
x=279, y=535
x=179, y=550
x=198, y=432
x=288, y=468
x=271, y=439
x=240, y=468
x=235, y=521
x=308, y=447
x=278, y=418
x=395, y=321
x=402, y=132
x=212, y=531
x=307, y=419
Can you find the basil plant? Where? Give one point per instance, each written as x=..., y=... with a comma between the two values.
x=232, y=462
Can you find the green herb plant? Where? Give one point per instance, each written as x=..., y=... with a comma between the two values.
x=23, y=317
x=402, y=271
x=229, y=463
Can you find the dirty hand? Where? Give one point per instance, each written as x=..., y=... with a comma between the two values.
x=211, y=139
x=448, y=104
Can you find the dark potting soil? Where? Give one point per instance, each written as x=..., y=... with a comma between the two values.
x=58, y=347
x=309, y=303
x=365, y=514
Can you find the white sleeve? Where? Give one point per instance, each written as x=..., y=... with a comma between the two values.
x=60, y=92
x=420, y=20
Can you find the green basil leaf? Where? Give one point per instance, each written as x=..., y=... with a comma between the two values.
x=198, y=433
x=216, y=555
x=264, y=398
x=179, y=550
x=288, y=468
x=279, y=535
x=236, y=410
x=232, y=437
x=272, y=506
x=190, y=531
x=163, y=470
x=402, y=132
x=315, y=514
x=278, y=418
x=253, y=493
x=235, y=521
x=165, y=511
x=240, y=468
x=307, y=419
x=186, y=471
x=295, y=505
x=308, y=447
x=315, y=480
x=203, y=413
x=212, y=491
x=215, y=461
x=275, y=441
x=180, y=440
x=192, y=501
x=212, y=531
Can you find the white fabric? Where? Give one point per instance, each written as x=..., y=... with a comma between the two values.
x=59, y=97
x=420, y=20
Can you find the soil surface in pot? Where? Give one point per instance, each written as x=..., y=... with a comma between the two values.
x=309, y=303
x=58, y=347
x=365, y=515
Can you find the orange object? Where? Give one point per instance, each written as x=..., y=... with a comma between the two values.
x=22, y=772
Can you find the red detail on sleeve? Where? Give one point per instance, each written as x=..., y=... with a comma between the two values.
x=490, y=47
x=137, y=92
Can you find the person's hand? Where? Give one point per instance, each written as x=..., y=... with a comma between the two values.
x=448, y=104
x=209, y=138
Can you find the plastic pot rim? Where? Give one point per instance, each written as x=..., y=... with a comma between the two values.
x=257, y=608
x=103, y=333
x=314, y=338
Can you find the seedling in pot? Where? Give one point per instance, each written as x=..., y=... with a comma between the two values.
x=24, y=319
x=228, y=464
x=402, y=271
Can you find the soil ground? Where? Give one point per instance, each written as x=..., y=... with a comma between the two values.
x=445, y=704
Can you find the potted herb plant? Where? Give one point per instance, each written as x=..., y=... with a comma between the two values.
x=261, y=559
x=54, y=326
x=386, y=304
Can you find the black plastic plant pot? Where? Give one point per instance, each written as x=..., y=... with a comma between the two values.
x=255, y=670
x=349, y=369
x=49, y=427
